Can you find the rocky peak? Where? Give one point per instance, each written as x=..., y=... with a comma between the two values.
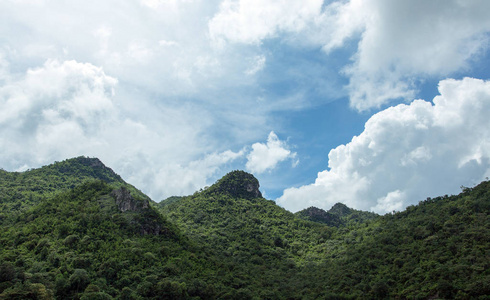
x=126, y=202
x=238, y=184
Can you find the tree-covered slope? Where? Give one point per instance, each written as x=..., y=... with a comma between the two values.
x=338, y=215
x=97, y=242
x=75, y=229
x=80, y=232
x=260, y=244
x=439, y=249
x=19, y=190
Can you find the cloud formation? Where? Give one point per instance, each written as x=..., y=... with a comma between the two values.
x=65, y=102
x=400, y=42
x=67, y=109
x=407, y=152
x=251, y=21
x=264, y=157
x=403, y=41
x=178, y=88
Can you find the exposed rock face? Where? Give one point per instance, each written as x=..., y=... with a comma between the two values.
x=126, y=202
x=253, y=189
x=146, y=220
x=238, y=184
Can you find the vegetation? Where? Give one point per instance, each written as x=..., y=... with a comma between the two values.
x=338, y=215
x=76, y=230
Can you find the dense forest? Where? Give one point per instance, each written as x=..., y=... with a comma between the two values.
x=76, y=230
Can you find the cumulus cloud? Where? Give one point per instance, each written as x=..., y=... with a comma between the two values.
x=399, y=41
x=408, y=152
x=163, y=178
x=64, y=102
x=66, y=109
x=404, y=39
x=265, y=157
x=170, y=84
x=251, y=21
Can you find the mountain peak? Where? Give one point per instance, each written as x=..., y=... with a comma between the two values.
x=86, y=166
x=239, y=184
x=340, y=210
x=319, y=215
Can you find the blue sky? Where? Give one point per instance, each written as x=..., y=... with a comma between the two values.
x=376, y=104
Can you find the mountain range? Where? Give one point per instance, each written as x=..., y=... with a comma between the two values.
x=76, y=230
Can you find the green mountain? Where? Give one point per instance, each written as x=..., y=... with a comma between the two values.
x=20, y=190
x=260, y=244
x=319, y=215
x=76, y=230
x=338, y=215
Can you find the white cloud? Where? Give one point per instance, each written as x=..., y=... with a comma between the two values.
x=393, y=201
x=258, y=63
x=400, y=42
x=179, y=97
x=60, y=91
x=166, y=178
x=404, y=39
x=165, y=43
x=67, y=109
x=408, y=152
x=250, y=21
x=54, y=109
x=265, y=157
x=4, y=65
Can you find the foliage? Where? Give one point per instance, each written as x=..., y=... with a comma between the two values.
x=21, y=190
x=63, y=235
x=338, y=215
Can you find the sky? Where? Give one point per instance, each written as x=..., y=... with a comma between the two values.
x=376, y=104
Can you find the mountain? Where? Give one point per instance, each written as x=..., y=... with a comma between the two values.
x=437, y=249
x=257, y=241
x=363, y=255
x=319, y=215
x=76, y=230
x=338, y=215
x=169, y=200
x=20, y=190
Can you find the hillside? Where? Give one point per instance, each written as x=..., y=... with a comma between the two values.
x=438, y=249
x=256, y=240
x=20, y=190
x=76, y=230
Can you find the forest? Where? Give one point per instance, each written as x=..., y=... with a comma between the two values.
x=76, y=230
